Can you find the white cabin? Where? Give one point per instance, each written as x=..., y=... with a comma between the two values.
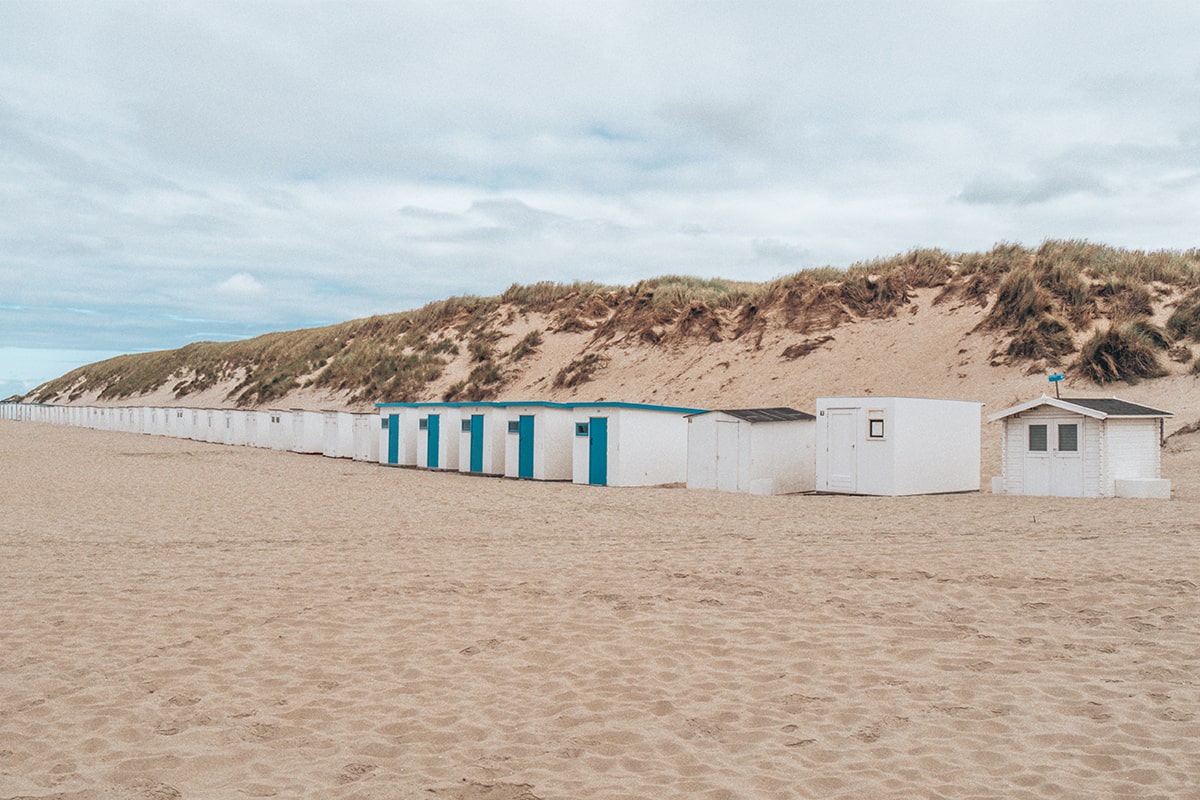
x=339, y=434
x=366, y=437
x=308, y=431
x=540, y=441
x=281, y=429
x=438, y=432
x=482, y=436
x=629, y=444
x=754, y=450
x=398, y=434
x=1081, y=447
x=897, y=445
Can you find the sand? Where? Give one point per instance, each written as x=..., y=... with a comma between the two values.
x=180, y=619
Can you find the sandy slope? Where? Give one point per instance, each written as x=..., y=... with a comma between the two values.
x=191, y=620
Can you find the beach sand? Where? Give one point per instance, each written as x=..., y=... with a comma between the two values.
x=187, y=620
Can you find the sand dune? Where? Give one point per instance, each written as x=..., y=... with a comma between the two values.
x=189, y=620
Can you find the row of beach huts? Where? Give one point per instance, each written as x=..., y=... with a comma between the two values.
x=851, y=445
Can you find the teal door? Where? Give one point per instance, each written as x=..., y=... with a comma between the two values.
x=598, y=451
x=431, y=456
x=525, y=446
x=477, y=443
x=393, y=426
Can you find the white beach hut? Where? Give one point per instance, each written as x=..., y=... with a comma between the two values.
x=262, y=429
x=213, y=420
x=755, y=450
x=198, y=426
x=250, y=428
x=177, y=422
x=540, y=441
x=438, y=434
x=366, y=437
x=237, y=426
x=629, y=444
x=482, y=436
x=308, y=431
x=339, y=434
x=1082, y=447
x=398, y=434
x=897, y=445
x=282, y=429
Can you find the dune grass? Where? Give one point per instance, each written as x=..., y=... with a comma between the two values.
x=1038, y=300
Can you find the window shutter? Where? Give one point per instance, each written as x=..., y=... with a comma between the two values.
x=1037, y=438
x=1068, y=438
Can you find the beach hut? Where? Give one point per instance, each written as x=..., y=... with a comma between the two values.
x=339, y=434
x=754, y=450
x=176, y=423
x=398, y=434
x=237, y=426
x=438, y=434
x=282, y=429
x=366, y=437
x=482, y=435
x=213, y=420
x=250, y=428
x=308, y=431
x=539, y=441
x=629, y=444
x=1081, y=447
x=897, y=445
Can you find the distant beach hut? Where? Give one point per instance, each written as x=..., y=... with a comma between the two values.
x=176, y=423
x=540, y=441
x=366, y=437
x=198, y=426
x=398, y=434
x=237, y=424
x=1082, y=447
x=282, y=429
x=308, y=431
x=482, y=436
x=213, y=420
x=754, y=450
x=250, y=427
x=897, y=445
x=629, y=444
x=339, y=434
x=438, y=433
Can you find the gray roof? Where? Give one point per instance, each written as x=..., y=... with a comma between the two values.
x=1116, y=408
x=767, y=414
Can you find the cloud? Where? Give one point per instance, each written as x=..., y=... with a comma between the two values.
x=999, y=189
x=364, y=158
x=243, y=285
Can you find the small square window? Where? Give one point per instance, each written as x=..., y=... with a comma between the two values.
x=1068, y=438
x=466, y=426
x=423, y=424
x=875, y=428
x=581, y=429
x=514, y=426
x=1037, y=439
x=383, y=423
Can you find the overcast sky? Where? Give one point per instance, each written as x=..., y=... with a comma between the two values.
x=175, y=171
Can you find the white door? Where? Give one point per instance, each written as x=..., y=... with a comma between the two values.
x=727, y=455
x=841, y=452
x=1053, y=457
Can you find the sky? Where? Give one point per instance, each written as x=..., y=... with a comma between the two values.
x=181, y=171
